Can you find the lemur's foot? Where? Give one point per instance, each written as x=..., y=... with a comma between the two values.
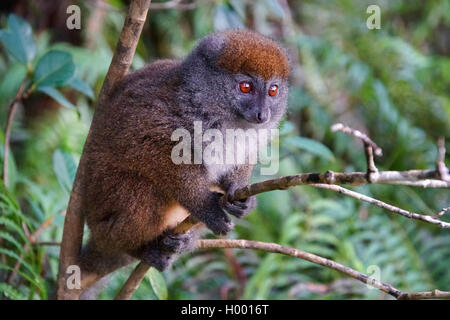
x=177, y=242
x=161, y=252
x=156, y=257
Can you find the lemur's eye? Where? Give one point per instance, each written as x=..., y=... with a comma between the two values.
x=273, y=90
x=245, y=86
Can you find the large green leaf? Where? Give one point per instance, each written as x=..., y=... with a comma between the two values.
x=65, y=168
x=18, y=39
x=311, y=146
x=55, y=68
x=58, y=96
x=10, y=81
x=158, y=283
x=81, y=86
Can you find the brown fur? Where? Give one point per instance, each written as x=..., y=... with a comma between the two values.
x=251, y=53
x=133, y=193
x=126, y=201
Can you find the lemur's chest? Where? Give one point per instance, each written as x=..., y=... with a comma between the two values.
x=232, y=149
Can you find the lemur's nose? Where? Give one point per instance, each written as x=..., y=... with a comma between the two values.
x=263, y=116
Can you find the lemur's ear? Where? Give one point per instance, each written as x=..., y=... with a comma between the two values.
x=211, y=47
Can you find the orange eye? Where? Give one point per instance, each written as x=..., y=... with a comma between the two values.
x=245, y=86
x=273, y=90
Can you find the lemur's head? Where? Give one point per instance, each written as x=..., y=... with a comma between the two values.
x=240, y=74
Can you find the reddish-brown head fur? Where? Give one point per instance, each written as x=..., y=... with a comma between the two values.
x=251, y=53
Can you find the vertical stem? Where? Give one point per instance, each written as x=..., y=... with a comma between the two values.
x=11, y=114
x=74, y=222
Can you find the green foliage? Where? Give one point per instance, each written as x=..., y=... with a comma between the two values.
x=55, y=68
x=158, y=283
x=18, y=40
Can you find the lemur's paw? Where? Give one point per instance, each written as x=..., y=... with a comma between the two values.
x=220, y=223
x=238, y=208
x=157, y=258
x=177, y=243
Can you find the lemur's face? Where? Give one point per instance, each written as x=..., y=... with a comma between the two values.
x=259, y=101
x=242, y=76
x=259, y=70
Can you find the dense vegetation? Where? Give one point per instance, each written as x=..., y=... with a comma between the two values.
x=392, y=83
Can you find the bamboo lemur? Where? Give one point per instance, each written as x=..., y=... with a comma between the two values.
x=135, y=194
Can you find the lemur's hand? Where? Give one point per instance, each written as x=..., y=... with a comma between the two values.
x=238, y=208
x=211, y=213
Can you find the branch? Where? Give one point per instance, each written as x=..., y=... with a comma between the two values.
x=139, y=272
x=74, y=222
x=12, y=109
x=327, y=180
x=381, y=204
x=440, y=163
x=359, y=135
x=133, y=282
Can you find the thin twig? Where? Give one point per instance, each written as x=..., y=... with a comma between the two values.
x=327, y=178
x=440, y=163
x=384, y=205
x=441, y=213
x=12, y=109
x=140, y=271
x=358, y=134
x=133, y=282
x=434, y=294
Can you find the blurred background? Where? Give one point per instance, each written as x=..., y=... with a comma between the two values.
x=392, y=83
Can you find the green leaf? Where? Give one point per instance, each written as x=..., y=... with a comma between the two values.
x=18, y=40
x=55, y=68
x=58, y=96
x=10, y=81
x=11, y=293
x=158, y=283
x=81, y=86
x=311, y=146
x=65, y=168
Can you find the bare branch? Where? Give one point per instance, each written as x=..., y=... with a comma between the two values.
x=359, y=135
x=133, y=282
x=440, y=163
x=381, y=204
x=412, y=177
x=141, y=269
x=434, y=294
x=441, y=213
x=139, y=272
x=424, y=178
x=12, y=109
x=74, y=221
